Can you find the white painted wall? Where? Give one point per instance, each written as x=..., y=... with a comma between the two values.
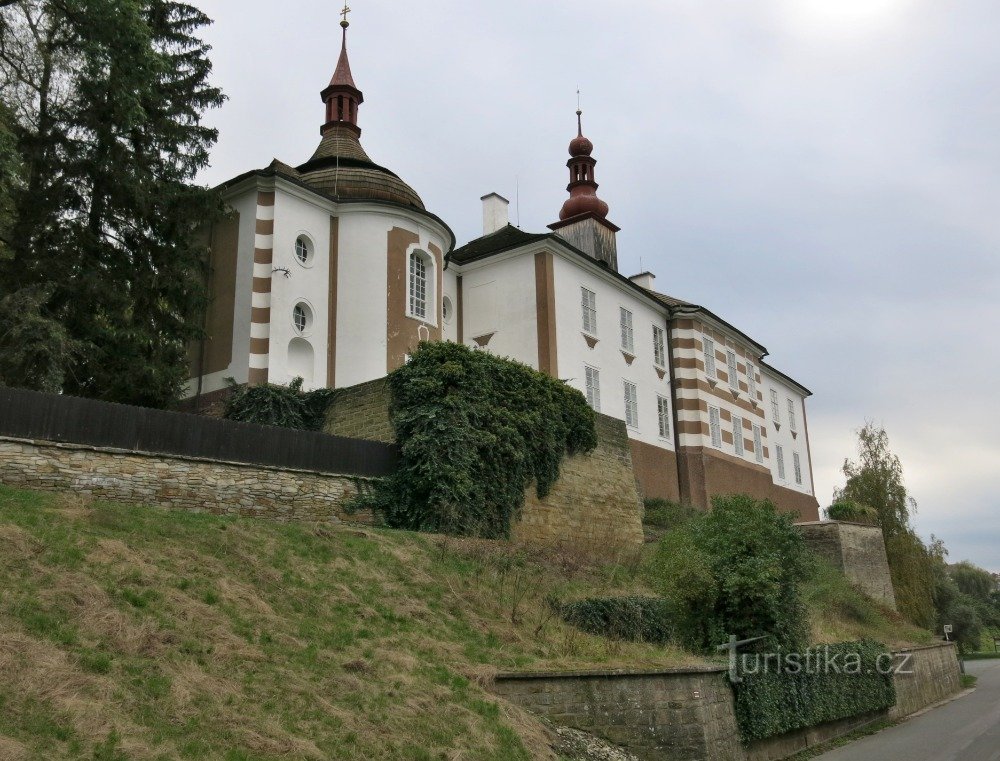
x=499, y=297
x=573, y=273
x=798, y=443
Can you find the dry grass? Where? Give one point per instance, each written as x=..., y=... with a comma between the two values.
x=131, y=633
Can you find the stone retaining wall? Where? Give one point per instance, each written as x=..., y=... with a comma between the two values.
x=936, y=676
x=183, y=483
x=857, y=551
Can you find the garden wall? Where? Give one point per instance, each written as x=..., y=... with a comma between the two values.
x=689, y=714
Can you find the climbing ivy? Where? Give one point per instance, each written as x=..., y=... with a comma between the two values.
x=282, y=406
x=475, y=431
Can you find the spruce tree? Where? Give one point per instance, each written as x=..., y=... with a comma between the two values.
x=109, y=217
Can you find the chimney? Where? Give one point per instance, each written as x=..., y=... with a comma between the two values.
x=495, y=213
x=644, y=280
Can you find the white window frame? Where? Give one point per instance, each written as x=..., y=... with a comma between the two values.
x=775, y=406
x=708, y=353
x=424, y=296
x=628, y=333
x=592, y=381
x=304, y=242
x=752, y=380
x=659, y=347
x=797, y=463
x=779, y=454
x=631, y=396
x=715, y=426
x=758, y=444
x=734, y=381
x=663, y=413
x=738, y=436
x=791, y=416
x=588, y=303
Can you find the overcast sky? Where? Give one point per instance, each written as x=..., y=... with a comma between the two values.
x=824, y=174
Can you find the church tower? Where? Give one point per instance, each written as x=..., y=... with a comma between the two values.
x=583, y=220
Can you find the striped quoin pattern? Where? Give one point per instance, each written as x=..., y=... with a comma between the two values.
x=260, y=320
x=696, y=392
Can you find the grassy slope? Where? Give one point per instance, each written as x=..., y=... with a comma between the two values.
x=132, y=633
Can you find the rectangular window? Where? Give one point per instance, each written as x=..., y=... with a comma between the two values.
x=659, y=347
x=589, y=301
x=798, y=468
x=758, y=444
x=709, y=354
x=779, y=455
x=715, y=427
x=418, y=287
x=663, y=410
x=631, y=405
x=734, y=382
x=628, y=338
x=593, y=387
x=791, y=415
x=738, y=435
x=775, y=408
x=752, y=381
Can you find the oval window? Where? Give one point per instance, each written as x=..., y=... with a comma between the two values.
x=303, y=250
x=302, y=318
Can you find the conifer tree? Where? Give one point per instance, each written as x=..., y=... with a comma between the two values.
x=109, y=96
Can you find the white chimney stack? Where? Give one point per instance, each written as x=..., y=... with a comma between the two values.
x=495, y=213
x=644, y=280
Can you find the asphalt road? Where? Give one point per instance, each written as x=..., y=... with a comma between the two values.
x=967, y=729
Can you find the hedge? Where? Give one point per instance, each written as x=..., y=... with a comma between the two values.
x=772, y=701
x=634, y=618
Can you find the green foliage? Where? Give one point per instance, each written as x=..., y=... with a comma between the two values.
x=968, y=627
x=282, y=406
x=973, y=581
x=664, y=514
x=911, y=566
x=106, y=99
x=36, y=351
x=852, y=512
x=475, y=430
x=735, y=570
x=633, y=618
x=773, y=700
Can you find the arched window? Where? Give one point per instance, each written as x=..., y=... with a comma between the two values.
x=420, y=294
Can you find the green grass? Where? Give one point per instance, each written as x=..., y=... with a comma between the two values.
x=136, y=633
x=969, y=681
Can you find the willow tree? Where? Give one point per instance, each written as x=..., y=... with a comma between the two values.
x=107, y=98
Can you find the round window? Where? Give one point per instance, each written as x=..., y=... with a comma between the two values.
x=303, y=250
x=302, y=318
x=446, y=309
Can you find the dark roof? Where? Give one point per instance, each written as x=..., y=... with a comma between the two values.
x=504, y=239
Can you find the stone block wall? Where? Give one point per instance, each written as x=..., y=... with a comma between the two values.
x=683, y=715
x=936, y=676
x=221, y=488
x=856, y=550
x=594, y=507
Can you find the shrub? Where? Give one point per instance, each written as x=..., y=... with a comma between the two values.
x=282, y=406
x=772, y=701
x=634, y=618
x=852, y=512
x=474, y=431
x=968, y=627
x=735, y=570
x=664, y=514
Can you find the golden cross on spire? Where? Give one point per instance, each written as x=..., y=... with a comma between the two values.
x=344, y=22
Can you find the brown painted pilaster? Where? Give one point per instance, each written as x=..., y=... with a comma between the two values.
x=545, y=309
x=331, y=340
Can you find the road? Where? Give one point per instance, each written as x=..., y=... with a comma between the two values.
x=967, y=729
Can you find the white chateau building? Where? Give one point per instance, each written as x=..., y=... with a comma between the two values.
x=333, y=271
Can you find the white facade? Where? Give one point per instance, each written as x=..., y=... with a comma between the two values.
x=787, y=430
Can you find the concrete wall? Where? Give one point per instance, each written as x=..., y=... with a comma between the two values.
x=689, y=714
x=183, y=483
x=856, y=550
x=594, y=506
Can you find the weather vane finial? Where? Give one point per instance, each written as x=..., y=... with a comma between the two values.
x=344, y=22
x=579, y=113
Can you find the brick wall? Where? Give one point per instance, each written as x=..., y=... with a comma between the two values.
x=182, y=483
x=857, y=551
x=594, y=506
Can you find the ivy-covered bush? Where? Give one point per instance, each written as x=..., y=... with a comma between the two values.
x=825, y=683
x=735, y=570
x=633, y=618
x=282, y=406
x=474, y=431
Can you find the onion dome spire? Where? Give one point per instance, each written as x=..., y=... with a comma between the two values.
x=582, y=185
x=342, y=97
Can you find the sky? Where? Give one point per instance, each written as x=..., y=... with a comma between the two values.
x=824, y=174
